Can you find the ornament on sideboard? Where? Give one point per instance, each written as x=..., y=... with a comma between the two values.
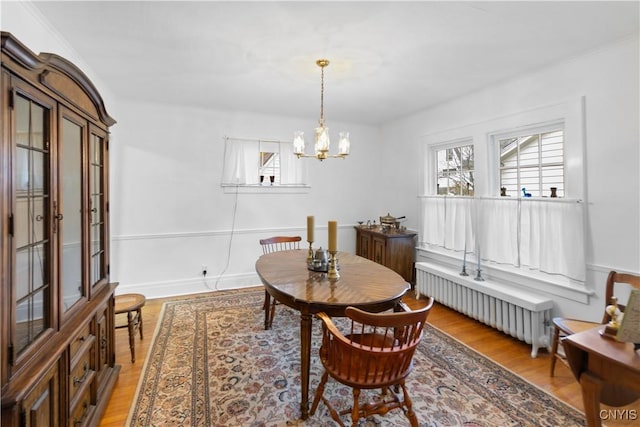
x=554, y=191
x=524, y=193
x=615, y=315
x=503, y=191
x=615, y=318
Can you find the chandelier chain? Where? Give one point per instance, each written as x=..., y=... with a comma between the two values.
x=322, y=96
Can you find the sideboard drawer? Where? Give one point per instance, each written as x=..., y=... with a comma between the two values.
x=80, y=340
x=82, y=411
x=82, y=371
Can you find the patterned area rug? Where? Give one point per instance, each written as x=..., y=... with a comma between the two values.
x=212, y=364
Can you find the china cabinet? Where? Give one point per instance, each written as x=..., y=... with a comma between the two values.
x=57, y=360
x=392, y=248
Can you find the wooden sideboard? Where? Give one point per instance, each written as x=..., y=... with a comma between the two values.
x=392, y=248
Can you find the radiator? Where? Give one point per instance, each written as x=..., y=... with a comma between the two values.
x=516, y=312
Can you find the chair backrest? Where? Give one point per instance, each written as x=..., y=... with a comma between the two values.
x=280, y=243
x=378, y=349
x=613, y=278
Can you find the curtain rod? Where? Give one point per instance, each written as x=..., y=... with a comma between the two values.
x=230, y=138
x=526, y=199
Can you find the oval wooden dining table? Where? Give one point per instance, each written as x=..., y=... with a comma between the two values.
x=362, y=283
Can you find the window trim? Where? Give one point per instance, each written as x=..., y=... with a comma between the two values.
x=431, y=181
x=571, y=111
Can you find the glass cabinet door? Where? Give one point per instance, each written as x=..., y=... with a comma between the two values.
x=69, y=211
x=97, y=206
x=31, y=222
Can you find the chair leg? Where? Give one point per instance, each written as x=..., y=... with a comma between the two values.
x=554, y=349
x=355, y=411
x=319, y=392
x=413, y=419
x=140, y=323
x=131, y=330
x=267, y=312
x=272, y=312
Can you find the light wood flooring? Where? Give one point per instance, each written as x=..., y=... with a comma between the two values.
x=505, y=350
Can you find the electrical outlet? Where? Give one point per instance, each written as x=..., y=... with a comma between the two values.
x=204, y=270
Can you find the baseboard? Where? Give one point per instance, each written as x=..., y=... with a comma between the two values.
x=174, y=288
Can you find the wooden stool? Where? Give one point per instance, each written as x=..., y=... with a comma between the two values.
x=132, y=305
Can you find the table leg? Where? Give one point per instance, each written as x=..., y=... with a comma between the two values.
x=305, y=362
x=591, y=387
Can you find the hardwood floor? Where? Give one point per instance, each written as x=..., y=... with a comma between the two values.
x=505, y=350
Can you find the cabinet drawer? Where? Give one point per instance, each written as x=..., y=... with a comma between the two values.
x=83, y=410
x=80, y=340
x=81, y=373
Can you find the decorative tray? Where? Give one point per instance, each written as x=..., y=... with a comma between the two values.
x=322, y=268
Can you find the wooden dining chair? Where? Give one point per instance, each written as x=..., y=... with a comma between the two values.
x=275, y=244
x=563, y=327
x=375, y=353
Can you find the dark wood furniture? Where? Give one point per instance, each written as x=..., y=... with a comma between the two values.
x=131, y=305
x=269, y=245
x=376, y=352
x=362, y=284
x=564, y=327
x=608, y=371
x=393, y=248
x=57, y=360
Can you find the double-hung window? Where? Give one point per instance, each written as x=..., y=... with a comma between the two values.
x=455, y=170
x=532, y=162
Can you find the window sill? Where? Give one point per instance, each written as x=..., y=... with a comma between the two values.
x=523, y=278
x=265, y=189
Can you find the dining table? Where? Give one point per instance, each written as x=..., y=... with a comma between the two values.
x=362, y=283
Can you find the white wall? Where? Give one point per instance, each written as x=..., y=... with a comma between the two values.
x=608, y=80
x=169, y=215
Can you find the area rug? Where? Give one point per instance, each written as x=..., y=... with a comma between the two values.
x=211, y=363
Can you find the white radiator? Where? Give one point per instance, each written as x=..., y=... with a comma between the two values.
x=514, y=311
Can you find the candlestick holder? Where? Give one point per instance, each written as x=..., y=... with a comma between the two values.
x=464, y=270
x=310, y=253
x=332, y=273
x=479, y=277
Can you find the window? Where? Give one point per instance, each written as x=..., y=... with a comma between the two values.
x=532, y=164
x=269, y=163
x=455, y=171
x=261, y=165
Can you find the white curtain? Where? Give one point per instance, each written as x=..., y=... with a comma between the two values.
x=447, y=222
x=433, y=214
x=552, y=237
x=241, y=161
x=291, y=168
x=540, y=234
x=497, y=230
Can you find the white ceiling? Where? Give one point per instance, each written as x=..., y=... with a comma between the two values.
x=388, y=59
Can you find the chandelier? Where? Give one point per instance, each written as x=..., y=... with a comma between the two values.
x=322, y=132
